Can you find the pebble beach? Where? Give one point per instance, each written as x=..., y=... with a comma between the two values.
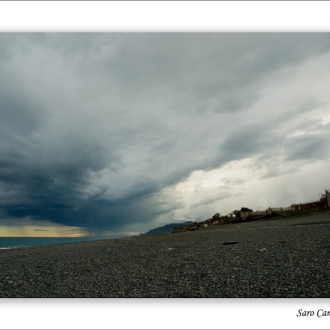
x=276, y=258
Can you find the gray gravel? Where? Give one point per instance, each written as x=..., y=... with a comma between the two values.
x=274, y=258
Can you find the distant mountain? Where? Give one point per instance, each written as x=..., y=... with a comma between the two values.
x=165, y=229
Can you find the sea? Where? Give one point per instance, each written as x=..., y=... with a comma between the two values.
x=20, y=242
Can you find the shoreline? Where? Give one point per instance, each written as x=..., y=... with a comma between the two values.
x=27, y=242
x=275, y=258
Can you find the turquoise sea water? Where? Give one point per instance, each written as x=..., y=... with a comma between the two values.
x=18, y=242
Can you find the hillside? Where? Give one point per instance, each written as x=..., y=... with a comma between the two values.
x=165, y=229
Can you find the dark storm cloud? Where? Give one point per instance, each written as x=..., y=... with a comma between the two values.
x=309, y=146
x=244, y=141
x=94, y=126
x=296, y=110
x=206, y=200
x=220, y=73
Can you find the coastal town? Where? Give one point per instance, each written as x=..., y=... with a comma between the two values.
x=245, y=214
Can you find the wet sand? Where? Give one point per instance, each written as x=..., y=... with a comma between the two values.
x=266, y=258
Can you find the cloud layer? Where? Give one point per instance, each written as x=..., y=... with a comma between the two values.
x=111, y=131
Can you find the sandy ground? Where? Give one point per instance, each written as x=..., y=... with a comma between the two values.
x=283, y=257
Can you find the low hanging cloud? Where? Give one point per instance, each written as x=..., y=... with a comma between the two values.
x=97, y=129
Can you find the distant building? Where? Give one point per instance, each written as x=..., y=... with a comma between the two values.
x=322, y=203
x=245, y=214
x=311, y=205
x=327, y=196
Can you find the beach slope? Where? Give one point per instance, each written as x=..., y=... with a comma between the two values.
x=273, y=258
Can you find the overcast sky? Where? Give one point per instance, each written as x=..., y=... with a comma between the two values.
x=124, y=132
